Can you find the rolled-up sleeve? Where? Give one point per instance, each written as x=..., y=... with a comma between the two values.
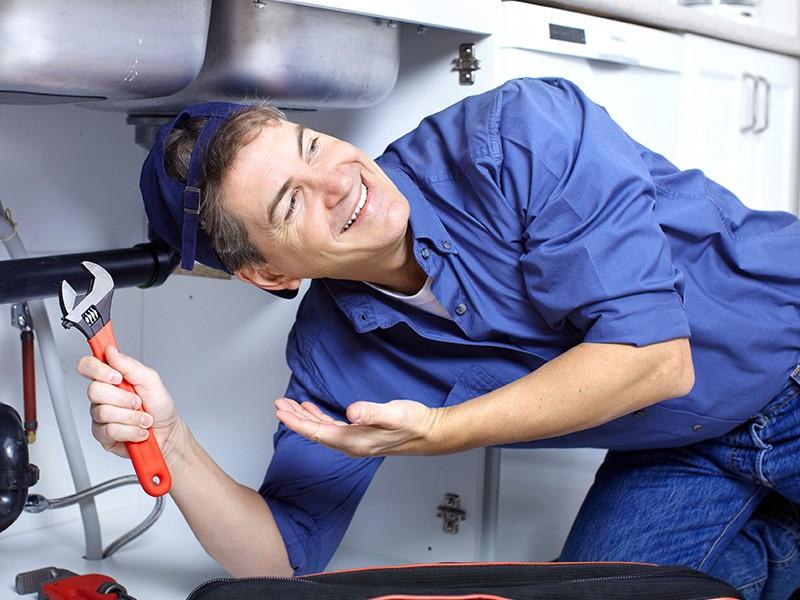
x=312, y=491
x=595, y=255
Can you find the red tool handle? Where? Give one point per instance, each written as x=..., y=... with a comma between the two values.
x=77, y=587
x=146, y=456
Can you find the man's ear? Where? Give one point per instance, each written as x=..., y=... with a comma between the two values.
x=263, y=277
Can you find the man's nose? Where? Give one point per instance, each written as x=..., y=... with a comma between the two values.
x=333, y=185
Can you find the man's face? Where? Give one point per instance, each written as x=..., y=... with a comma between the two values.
x=298, y=190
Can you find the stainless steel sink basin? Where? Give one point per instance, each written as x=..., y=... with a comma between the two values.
x=52, y=51
x=296, y=56
x=145, y=56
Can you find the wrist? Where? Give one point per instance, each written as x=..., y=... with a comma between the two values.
x=442, y=439
x=176, y=446
x=457, y=429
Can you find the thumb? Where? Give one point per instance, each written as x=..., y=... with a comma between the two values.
x=374, y=414
x=131, y=369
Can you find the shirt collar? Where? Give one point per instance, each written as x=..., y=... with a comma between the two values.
x=424, y=222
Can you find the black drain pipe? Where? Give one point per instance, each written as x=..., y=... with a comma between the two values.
x=16, y=475
x=144, y=265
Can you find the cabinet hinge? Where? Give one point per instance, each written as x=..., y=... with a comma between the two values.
x=466, y=64
x=451, y=513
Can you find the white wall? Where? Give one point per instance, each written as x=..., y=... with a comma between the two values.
x=69, y=177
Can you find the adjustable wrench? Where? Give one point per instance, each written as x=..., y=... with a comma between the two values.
x=91, y=314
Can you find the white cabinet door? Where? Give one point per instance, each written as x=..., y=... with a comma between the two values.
x=740, y=121
x=773, y=172
x=715, y=109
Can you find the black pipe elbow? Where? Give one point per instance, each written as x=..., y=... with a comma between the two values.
x=16, y=475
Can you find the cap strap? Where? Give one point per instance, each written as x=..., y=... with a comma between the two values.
x=192, y=194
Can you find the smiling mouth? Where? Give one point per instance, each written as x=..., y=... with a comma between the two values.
x=362, y=201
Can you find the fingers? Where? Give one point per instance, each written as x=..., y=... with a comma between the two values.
x=289, y=406
x=110, y=434
x=97, y=370
x=315, y=411
x=131, y=369
x=107, y=414
x=307, y=411
x=113, y=424
x=311, y=422
x=116, y=417
x=313, y=429
x=104, y=393
x=377, y=429
x=117, y=414
x=351, y=440
x=119, y=366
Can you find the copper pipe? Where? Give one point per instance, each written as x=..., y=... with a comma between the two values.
x=29, y=385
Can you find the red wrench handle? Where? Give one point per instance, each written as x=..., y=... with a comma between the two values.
x=148, y=462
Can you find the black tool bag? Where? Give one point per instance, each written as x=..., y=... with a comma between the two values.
x=481, y=581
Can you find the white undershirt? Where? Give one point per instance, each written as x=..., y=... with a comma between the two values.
x=423, y=299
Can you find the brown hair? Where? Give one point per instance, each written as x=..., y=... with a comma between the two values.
x=227, y=233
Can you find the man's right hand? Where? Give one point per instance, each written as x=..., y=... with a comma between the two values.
x=117, y=415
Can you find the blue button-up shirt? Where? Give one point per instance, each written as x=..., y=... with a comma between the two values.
x=542, y=225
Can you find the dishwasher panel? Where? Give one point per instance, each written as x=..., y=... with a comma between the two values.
x=633, y=71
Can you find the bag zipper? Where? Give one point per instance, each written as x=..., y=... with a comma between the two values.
x=684, y=572
x=211, y=582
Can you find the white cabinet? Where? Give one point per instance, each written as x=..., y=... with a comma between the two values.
x=740, y=120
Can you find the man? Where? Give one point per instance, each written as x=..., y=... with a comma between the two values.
x=515, y=271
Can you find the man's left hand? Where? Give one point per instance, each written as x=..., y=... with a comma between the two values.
x=396, y=427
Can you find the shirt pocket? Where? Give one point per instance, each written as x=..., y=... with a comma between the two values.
x=471, y=382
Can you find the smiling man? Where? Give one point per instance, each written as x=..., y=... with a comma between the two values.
x=335, y=213
x=515, y=271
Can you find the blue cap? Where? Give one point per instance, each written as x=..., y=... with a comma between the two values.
x=173, y=208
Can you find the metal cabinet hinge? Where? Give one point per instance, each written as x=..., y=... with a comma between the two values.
x=21, y=316
x=451, y=513
x=466, y=64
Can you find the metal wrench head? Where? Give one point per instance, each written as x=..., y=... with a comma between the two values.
x=91, y=311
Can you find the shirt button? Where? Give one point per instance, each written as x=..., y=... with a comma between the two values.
x=461, y=309
x=639, y=414
x=446, y=245
x=425, y=253
x=697, y=427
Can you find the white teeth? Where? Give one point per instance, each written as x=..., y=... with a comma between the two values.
x=357, y=211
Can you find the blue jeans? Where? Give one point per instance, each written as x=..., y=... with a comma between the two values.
x=727, y=506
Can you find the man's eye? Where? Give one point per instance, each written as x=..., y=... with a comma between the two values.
x=312, y=148
x=292, y=205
